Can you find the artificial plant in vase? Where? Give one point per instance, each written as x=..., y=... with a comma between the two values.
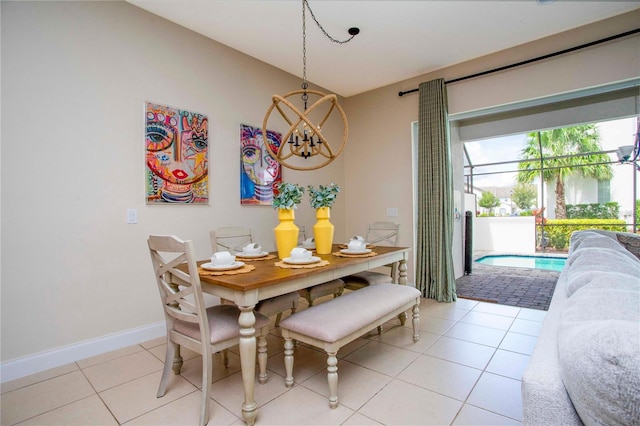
x=286, y=197
x=322, y=199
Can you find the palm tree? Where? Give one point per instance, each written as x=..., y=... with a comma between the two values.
x=564, y=143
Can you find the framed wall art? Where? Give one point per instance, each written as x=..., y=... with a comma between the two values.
x=259, y=171
x=177, y=155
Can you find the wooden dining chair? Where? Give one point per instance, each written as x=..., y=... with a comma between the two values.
x=233, y=239
x=189, y=323
x=335, y=287
x=382, y=234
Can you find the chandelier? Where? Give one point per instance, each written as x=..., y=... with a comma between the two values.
x=630, y=154
x=304, y=138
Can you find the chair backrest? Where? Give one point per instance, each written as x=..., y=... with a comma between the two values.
x=231, y=238
x=302, y=234
x=180, y=290
x=383, y=233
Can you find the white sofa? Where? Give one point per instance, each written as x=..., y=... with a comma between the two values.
x=585, y=368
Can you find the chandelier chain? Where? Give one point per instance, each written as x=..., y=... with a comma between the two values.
x=305, y=2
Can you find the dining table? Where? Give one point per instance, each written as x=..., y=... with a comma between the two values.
x=272, y=278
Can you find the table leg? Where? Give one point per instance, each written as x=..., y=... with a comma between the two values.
x=247, y=348
x=402, y=268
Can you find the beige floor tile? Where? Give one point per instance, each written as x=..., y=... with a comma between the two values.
x=185, y=411
x=353, y=346
x=509, y=364
x=444, y=311
x=520, y=343
x=498, y=394
x=41, y=397
x=38, y=377
x=465, y=303
x=300, y=406
x=85, y=412
x=138, y=397
x=359, y=420
x=497, y=309
x=444, y=377
x=531, y=328
x=383, y=358
x=433, y=325
x=356, y=385
x=401, y=403
x=109, y=356
x=532, y=314
x=476, y=334
x=474, y=416
x=488, y=320
x=154, y=342
x=306, y=363
x=192, y=369
x=229, y=392
x=160, y=352
x=462, y=352
x=402, y=337
x=123, y=369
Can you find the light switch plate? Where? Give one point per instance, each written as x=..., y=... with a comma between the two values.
x=132, y=216
x=392, y=212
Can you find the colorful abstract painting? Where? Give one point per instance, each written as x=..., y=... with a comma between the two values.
x=177, y=150
x=259, y=171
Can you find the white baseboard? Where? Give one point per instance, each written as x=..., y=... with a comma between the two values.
x=31, y=364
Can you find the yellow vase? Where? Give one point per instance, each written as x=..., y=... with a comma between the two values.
x=323, y=231
x=286, y=233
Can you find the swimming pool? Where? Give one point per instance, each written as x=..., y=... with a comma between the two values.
x=534, y=262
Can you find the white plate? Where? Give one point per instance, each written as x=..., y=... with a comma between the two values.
x=350, y=251
x=252, y=255
x=312, y=259
x=211, y=267
x=308, y=247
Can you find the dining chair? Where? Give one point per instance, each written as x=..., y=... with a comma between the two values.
x=383, y=234
x=189, y=322
x=335, y=287
x=233, y=239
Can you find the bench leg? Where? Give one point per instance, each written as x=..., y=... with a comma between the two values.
x=288, y=362
x=403, y=318
x=262, y=359
x=415, y=322
x=332, y=378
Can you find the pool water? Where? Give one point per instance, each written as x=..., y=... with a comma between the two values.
x=534, y=262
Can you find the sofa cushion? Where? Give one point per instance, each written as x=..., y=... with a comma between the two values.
x=578, y=237
x=599, y=352
x=601, y=279
x=603, y=259
x=631, y=242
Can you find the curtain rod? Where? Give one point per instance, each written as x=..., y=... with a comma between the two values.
x=539, y=58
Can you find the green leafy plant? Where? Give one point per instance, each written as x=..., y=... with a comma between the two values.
x=287, y=195
x=323, y=196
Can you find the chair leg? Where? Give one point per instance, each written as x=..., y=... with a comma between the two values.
x=332, y=378
x=262, y=359
x=416, y=322
x=207, y=378
x=278, y=318
x=380, y=330
x=288, y=362
x=225, y=358
x=168, y=363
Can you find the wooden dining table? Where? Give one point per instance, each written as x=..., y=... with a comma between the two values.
x=269, y=280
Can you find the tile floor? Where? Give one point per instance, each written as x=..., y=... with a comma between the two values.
x=465, y=370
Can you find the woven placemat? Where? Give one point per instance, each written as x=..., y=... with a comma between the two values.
x=340, y=254
x=243, y=270
x=286, y=265
x=251, y=259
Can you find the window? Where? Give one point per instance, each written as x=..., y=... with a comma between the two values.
x=604, y=191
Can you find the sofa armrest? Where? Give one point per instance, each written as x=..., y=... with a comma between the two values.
x=545, y=400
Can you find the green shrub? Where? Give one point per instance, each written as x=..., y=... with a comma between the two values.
x=559, y=231
x=593, y=211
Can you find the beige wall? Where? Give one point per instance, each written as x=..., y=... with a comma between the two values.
x=378, y=158
x=75, y=76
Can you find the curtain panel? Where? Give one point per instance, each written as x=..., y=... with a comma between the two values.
x=434, y=269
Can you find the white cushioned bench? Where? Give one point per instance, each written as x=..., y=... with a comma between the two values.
x=333, y=324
